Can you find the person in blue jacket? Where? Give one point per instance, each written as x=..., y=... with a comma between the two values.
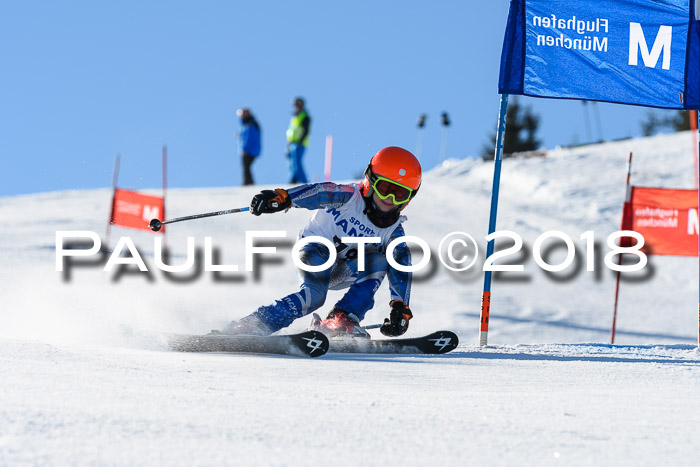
x=249, y=140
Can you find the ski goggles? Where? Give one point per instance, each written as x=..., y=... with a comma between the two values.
x=386, y=188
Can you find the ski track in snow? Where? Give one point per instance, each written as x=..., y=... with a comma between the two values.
x=86, y=377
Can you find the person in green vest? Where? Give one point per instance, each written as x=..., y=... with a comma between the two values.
x=297, y=140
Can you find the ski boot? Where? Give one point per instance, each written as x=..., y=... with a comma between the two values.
x=339, y=323
x=247, y=326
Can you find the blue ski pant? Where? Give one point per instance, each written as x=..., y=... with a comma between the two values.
x=296, y=168
x=314, y=287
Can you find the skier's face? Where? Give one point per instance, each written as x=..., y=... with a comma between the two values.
x=384, y=205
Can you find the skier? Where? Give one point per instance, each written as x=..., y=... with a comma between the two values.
x=371, y=208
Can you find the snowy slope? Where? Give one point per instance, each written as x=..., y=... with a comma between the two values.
x=86, y=378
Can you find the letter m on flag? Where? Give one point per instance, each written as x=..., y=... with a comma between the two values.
x=638, y=44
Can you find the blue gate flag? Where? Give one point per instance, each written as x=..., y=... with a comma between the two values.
x=640, y=52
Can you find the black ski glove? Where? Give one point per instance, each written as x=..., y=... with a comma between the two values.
x=268, y=201
x=397, y=322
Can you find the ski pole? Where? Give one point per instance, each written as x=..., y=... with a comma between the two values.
x=372, y=326
x=155, y=224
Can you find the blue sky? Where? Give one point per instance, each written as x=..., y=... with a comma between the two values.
x=83, y=81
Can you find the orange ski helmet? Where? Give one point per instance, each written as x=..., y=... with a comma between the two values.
x=395, y=164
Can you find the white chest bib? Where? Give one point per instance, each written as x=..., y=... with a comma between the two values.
x=348, y=220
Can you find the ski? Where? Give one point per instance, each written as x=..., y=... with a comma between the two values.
x=305, y=344
x=436, y=343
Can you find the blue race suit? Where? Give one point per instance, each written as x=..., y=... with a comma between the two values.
x=340, y=213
